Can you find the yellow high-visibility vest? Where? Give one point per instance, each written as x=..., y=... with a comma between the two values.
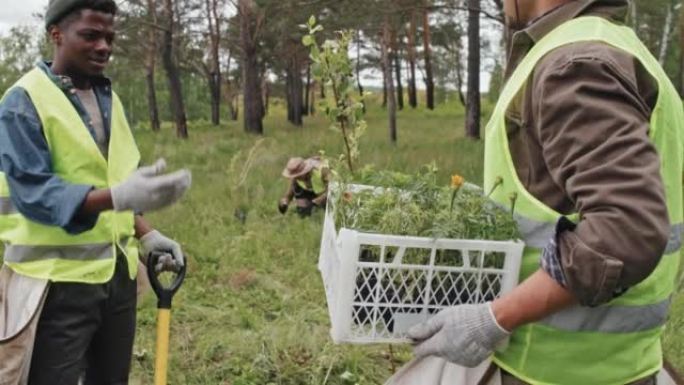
x=618, y=342
x=49, y=252
x=317, y=183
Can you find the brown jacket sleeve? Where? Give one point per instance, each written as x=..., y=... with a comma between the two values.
x=592, y=120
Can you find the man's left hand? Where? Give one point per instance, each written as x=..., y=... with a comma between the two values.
x=155, y=241
x=282, y=205
x=465, y=335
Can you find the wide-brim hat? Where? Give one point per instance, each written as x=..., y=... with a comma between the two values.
x=297, y=167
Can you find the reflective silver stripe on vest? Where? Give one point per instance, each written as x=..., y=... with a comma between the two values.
x=537, y=234
x=6, y=206
x=22, y=253
x=606, y=319
x=610, y=319
x=674, y=243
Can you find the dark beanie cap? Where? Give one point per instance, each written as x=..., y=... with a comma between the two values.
x=57, y=9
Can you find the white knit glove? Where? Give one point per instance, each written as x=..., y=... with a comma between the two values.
x=147, y=189
x=465, y=335
x=155, y=241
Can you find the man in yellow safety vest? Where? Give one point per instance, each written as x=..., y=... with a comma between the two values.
x=71, y=199
x=589, y=133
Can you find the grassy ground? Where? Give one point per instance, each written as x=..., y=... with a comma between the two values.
x=252, y=310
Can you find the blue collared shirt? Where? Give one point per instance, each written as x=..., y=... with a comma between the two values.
x=36, y=192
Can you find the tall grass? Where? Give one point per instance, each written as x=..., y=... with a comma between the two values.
x=252, y=310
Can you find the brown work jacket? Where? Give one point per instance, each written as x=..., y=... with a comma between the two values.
x=578, y=135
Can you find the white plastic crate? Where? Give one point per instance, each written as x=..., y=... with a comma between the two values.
x=377, y=286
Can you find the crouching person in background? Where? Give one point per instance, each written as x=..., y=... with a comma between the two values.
x=308, y=184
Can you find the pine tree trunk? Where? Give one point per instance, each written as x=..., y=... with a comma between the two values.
x=214, y=64
x=168, y=60
x=298, y=93
x=231, y=94
x=400, y=87
x=307, y=89
x=429, y=82
x=265, y=95
x=391, y=102
x=459, y=75
x=473, y=98
x=288, y=93
x=231, y=108
x=150, y=64
x=215, y=91
x=312, y=101
x=235, y=110
x=665, y=38
x=252, y=103
x=397, y=70
x=152, y=100
x=294, y=91
x=411, y=51
x=507, y=35
x=384, y=85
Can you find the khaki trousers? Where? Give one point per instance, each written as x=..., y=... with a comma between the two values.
x=21, y=301
x=437, y=371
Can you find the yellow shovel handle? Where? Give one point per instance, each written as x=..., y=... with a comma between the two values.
x=162, y=355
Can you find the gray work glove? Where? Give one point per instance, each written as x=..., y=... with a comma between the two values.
x=147, y=189
x=465, y=335
x=173, y=255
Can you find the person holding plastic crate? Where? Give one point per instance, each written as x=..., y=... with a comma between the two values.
x=308, y=184
x=589, y=133
x=71, y=198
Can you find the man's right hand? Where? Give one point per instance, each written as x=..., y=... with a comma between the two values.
x=147, y=189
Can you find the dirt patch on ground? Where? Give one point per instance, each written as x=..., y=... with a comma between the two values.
x=242, y=279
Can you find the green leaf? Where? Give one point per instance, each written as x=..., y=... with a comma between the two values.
x=315, y=53
x=312, y=20
x=307, y=40
x=317, y=72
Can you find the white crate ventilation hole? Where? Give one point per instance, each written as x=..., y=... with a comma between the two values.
x=378, y=286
